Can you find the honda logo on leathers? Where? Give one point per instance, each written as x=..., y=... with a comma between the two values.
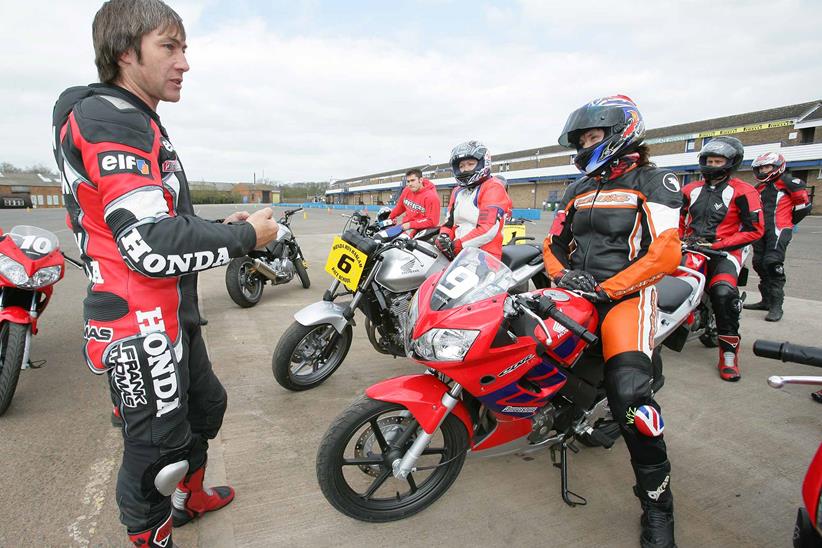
x=170, y=265
x=163, y=372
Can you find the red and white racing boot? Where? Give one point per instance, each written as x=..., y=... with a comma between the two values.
x=158, y=536
x=729, y=358
x=191, y=500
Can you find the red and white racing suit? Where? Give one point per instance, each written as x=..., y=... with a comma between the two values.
x=476, y=216
x=141, y=243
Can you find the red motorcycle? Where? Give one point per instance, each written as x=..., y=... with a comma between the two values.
x=30, y=264
x=506, y=373
x=808, y=529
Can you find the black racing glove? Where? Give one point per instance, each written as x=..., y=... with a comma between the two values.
x=577, y=280
x=446, y=246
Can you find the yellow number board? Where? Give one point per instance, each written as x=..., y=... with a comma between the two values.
x=345, y=262
x=509, y=232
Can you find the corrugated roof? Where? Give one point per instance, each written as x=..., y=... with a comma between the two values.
x=28, y=179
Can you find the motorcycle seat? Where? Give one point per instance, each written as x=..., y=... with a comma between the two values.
x=515, y=256
x=671, y=293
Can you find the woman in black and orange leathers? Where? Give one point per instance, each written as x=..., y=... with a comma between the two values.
x=614, y=236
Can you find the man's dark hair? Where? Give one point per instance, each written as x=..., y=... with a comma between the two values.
x=414, y=171
x=120, y=26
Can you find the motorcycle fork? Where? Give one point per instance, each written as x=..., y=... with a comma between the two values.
x=403, y=467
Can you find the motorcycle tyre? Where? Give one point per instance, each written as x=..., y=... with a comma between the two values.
x=301, y=272
x=281, y=360
x=234, y=287
x=14, y=335
x=330, y=477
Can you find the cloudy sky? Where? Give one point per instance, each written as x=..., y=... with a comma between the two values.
x=316, y=90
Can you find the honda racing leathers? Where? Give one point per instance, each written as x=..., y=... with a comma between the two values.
x=130, y=211
x=421, y=208
x=476, y=216
x=785, y=202
x=728, y=215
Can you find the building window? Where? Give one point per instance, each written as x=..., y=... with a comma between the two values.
x=806, y=135
x=706, y=140
x=40, y=200
x=690, y=145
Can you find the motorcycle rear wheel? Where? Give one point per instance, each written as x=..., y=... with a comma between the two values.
x=245, y=287
x=300, y=347
x=709, y=338
x=354, y=462
x=12, y=348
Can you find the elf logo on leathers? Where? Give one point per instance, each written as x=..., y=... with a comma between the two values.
x=142, y=255
x=116, y=162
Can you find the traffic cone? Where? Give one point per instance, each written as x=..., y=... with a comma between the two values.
x=305, y=214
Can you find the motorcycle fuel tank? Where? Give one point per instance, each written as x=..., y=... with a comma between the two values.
x=406, y=270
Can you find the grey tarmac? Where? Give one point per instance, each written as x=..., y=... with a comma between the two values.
x=739, y=451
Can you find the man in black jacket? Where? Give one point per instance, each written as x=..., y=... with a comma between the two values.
x=130, y=211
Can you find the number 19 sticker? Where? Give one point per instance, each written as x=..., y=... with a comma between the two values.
x=345, y=262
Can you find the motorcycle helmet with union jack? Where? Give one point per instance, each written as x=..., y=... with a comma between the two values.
x=769, y=159
x=465, y=151
x=620, y=119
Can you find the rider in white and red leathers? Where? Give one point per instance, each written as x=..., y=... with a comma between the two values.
x=478, y=206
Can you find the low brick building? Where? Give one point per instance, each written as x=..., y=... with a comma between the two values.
x=540, y=174
x=30, y=190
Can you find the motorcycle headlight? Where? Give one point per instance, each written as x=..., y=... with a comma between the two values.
x=45, y=276
x=13, y=271
x=445, y=344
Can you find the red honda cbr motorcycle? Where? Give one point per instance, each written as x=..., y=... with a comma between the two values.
x=807, y=532
x=506, y=373
x=30, y=264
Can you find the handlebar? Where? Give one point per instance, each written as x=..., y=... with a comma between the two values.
x=289, y=212
x=413, y=245
x=547, y=307
x=787, y=352
x=74, y=262
x=706, y=251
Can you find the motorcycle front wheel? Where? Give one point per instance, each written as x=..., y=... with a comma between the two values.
x=355, y=458
x=299, y=266
x=12, y=348
x=307, y=355
x=244, y=284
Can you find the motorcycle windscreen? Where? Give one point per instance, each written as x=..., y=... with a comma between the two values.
x=473, y=276
x=34, y=242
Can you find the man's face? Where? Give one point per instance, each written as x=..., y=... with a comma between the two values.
x=764, y=170
x=716, y=161
x=413, y=182
x=467, y=164
x=158, y=76
x=591, y=137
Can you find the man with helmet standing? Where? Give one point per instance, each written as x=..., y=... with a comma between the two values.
x=723, y=213
x=613, y=237
x=785, y=202
x=478, y=205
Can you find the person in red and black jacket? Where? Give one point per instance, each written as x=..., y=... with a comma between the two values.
x=419, y=202
x=613, y=238
x=785, y=202
x=478, y=206
x=723, y=213
x=129, y=208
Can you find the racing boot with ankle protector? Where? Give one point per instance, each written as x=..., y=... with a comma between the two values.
x=191, y=500
x=158, y=536
x=764, y=303
x=728, y=365
x=653, y=488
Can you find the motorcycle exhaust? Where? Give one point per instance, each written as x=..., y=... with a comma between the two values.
x=265, y=270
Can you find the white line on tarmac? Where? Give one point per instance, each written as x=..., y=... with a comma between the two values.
x=94, y=494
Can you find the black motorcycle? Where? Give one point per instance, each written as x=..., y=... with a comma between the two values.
x=276, y=264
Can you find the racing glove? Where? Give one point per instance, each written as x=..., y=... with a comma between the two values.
x=576, y=280
x=446, y=246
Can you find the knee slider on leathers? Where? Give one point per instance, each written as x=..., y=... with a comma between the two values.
x=160, y=479
x=726, y=304
x=628, y=384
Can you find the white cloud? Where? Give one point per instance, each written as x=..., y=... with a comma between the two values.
x=310, y=107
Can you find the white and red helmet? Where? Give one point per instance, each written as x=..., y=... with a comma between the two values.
x=769, y=159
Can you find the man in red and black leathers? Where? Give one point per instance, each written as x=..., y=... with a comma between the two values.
x=141, y=243
x=722, y=213
x=419, y=202
x=785, y=202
